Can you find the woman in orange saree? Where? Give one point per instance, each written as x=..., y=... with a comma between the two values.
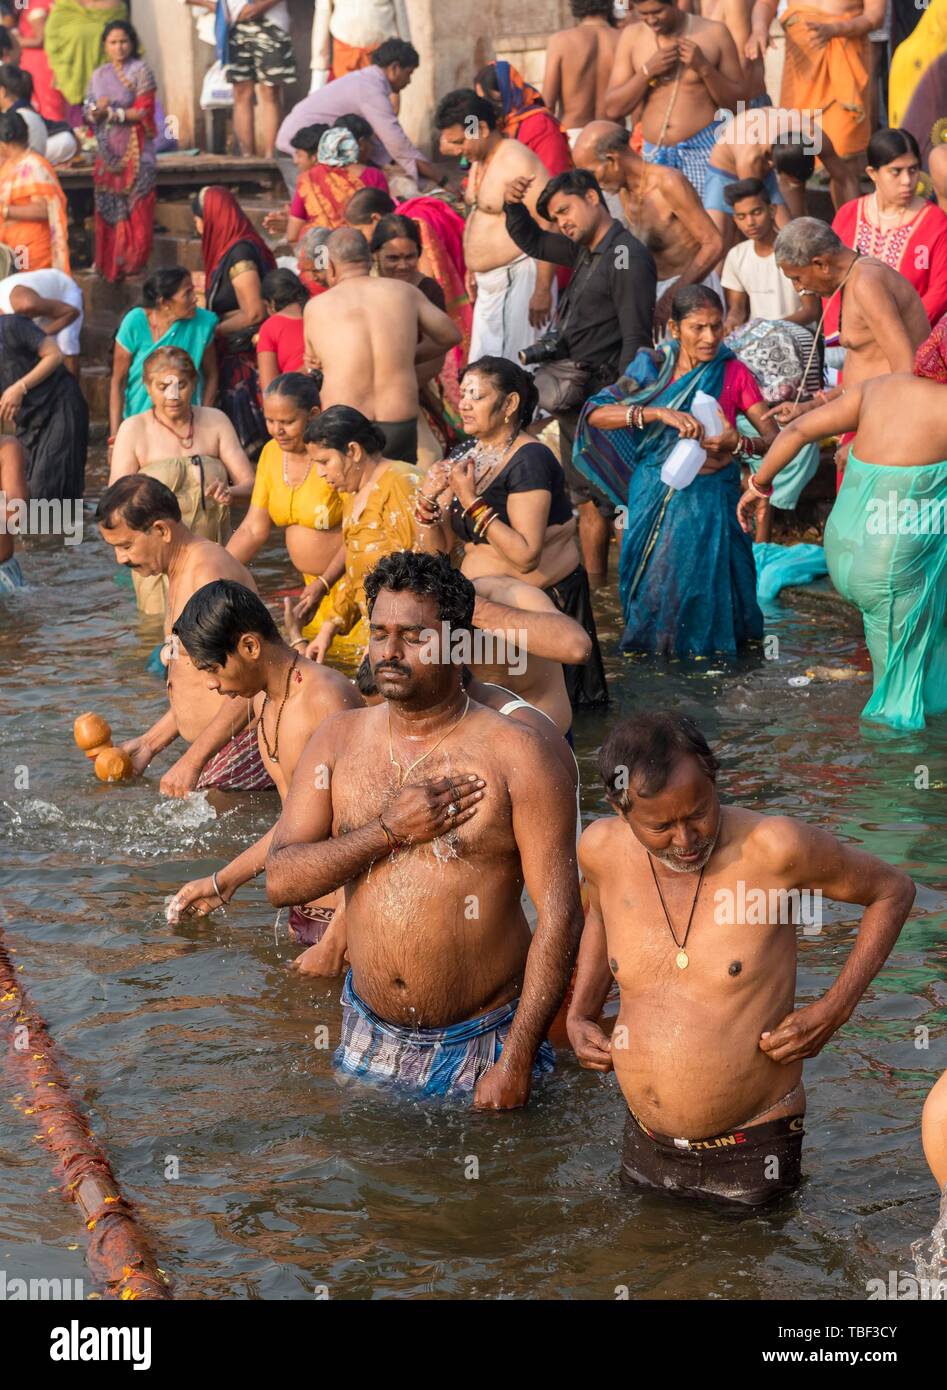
x=324, y=189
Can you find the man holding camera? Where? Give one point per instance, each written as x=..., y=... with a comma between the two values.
x=604, y=317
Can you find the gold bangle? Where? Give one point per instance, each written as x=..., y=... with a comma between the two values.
x=323, y=582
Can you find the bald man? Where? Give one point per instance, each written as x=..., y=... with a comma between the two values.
x=369, y=335
x=660, y=207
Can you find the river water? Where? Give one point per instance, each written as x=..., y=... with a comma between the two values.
x=201, y=1059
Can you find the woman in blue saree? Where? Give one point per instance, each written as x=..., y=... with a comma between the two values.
x=687, y=579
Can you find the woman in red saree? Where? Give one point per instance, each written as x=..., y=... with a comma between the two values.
x=47, y=97
x=895, y=225
x=121, y=106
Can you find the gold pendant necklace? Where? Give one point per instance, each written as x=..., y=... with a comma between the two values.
x=682, y=959
x=403, y=775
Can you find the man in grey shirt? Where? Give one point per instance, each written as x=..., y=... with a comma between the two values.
x=367, y=93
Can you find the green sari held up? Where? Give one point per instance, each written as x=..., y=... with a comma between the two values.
x=886, y=549
x=73, y=43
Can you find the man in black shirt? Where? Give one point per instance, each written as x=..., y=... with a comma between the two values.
x=605, y=315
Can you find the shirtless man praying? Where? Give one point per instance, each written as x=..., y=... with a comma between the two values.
x=512, y=294
x=141, y=520
x=680, y=70
x=579, y=66
x=427, y=808
x=368, y=335
x=660, y=207
x=229, y=636
x=693, y=909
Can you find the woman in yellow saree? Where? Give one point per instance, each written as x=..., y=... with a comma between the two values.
x=378, y=502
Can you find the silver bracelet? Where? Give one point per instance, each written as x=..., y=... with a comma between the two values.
x=213, y=879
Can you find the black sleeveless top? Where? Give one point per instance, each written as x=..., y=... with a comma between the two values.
x=532, y=468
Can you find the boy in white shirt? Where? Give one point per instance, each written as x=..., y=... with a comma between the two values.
x=755, y=286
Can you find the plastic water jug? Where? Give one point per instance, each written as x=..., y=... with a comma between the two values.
x=687, y=457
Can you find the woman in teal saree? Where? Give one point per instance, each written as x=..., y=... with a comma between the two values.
x=687, y=579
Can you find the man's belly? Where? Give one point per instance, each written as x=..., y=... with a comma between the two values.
x=487, y=244
x=690, y=1071
x=430, y=947
x=693, y=110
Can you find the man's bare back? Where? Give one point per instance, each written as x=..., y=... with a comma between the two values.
x=689, y=1061
x=487, y=244
x=578, y=69
x=364, y=334
x=200, y=562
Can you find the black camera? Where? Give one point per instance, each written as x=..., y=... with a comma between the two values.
x=551, y=347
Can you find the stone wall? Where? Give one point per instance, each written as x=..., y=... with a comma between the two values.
x=453, y=37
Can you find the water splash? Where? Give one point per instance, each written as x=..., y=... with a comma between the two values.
x=930, y=1253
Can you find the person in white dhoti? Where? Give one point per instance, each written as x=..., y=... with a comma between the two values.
x=514, y=296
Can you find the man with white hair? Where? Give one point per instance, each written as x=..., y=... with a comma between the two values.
x=882, y=321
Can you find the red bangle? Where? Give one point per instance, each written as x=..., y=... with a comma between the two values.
x=761, y=489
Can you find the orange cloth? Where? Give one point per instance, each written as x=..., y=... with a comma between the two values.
x=29, y=178
x=832, y=80
x=346, y=58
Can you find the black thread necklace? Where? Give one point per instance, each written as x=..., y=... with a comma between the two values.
x=681, y=960
x=273, y=753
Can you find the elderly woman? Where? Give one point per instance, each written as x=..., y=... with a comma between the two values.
x=502, y=506
x=169, y=316
x=378, y=502
x=32, y=203
x=687, y=578
x=45, y=406
x=236, y=259
x=312, y=259
x=193, y=450
x=290, y=493
x=120, y=105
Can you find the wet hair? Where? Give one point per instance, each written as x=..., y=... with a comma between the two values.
x=7, y=46
x=794, y=158
x=458, y=106
x=571, y=181
x=746, y=188
x=645, y=748
x=508, y=377
x=163, y=358
x=282, y=288
x=355, y=125
x=347, y=246
x=392, y=226
x=139, y=500
x=612, y=141
x=692, y=298
x=163, y=284
x=128, y=30
x=302, y=390
x=342, y=425
x=395, y=51
x=13, y=129
x=16, y=81
x=887, y=144
x=804, y=238
x=408, y=571
x=217, y=616
x=364, y=204
x=581, y=9
x=365, y=678
x=307, y=139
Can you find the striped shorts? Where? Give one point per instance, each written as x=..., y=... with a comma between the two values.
x=690, y=156
x=425, y=1061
